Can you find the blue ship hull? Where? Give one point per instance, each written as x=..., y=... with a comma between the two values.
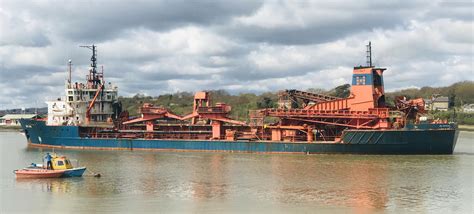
x=433, y=139
x=75, y=172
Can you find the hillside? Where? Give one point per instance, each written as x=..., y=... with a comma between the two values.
x=40, y=111
x=181, y=102
x=459, y=93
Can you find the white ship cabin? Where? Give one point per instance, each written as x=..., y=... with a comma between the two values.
x=71, y=109
x=91, y=103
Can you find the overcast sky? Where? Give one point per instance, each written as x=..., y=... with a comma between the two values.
x=156, y=47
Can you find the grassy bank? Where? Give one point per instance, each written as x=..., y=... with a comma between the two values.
x=460, y=117
x=466, y=128
x=10, y=128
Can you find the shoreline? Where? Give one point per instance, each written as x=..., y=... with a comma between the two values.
x=10, y=128
x=469, y=128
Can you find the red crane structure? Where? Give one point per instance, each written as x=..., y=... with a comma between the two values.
x=302, y=116
x=216, y=116
x=327, y=116
x=92, y=103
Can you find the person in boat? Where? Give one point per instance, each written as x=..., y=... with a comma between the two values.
x=49, y=163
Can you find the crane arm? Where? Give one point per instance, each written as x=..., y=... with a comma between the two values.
x=91, y=104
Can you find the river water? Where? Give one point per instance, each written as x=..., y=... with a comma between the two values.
x=188, y=182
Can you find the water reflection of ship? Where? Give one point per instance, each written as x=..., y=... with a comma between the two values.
x=360, y=184
x=212, y=184
x=201, y=177
x=149, y=178
x=368, y=191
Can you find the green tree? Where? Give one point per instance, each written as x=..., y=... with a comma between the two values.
x=265, y=102
x=342, y=91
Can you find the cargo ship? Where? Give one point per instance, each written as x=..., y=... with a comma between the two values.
x=90, y=116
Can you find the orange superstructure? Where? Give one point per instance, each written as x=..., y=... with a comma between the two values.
x=367, y=92
x=367, y=89
x=302, y=116
x=364, y=108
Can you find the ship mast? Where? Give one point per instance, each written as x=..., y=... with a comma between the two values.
x=94, y=78
x=94, y=81
x=369, y=55
x=70, y=71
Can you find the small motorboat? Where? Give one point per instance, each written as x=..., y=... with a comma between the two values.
x=38, y=173
x=60, y=163
x=63, y=163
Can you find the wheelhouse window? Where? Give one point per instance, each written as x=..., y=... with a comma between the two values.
x=360, y=80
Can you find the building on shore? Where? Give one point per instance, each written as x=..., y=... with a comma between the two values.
x=437, y=103
x=468, y=108
x=14, y=119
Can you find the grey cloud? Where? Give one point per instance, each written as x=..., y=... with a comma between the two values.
x=421, y=43
x=14, y=30
x=321, y=33
x=25, y=71
x=343, y=20
x=457, y=10
x=94, y=21
x=34, y=39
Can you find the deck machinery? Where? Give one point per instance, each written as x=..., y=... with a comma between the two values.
x=301, y=116
x=322, y=117
x=204, y=122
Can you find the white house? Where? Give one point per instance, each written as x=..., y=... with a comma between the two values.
x=14, y=119
x=468, y=108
